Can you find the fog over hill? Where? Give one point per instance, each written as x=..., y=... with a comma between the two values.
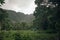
x=19, y=16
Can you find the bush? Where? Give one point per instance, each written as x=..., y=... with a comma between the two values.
x=17, y=36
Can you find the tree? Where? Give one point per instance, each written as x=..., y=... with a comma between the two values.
x=1, y=2
x=3, y=17
x=57, y=16
x=17, y=36
x=24, y=25
x=41, y=13
x=1, y=35
x=47, y=15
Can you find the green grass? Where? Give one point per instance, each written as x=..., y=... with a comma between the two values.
x=28, y=35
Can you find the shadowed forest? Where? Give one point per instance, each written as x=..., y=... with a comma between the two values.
x=43, y=24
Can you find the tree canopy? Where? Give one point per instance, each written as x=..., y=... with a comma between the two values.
x=1, y=2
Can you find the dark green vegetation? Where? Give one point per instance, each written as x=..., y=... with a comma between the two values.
x=26, y=35
x=47, y=16
x=15, y=20
x=19, y=16
x=45, y=25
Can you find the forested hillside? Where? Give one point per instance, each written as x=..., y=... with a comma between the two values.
x=19, y=16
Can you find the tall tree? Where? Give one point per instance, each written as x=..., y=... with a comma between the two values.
x=47, y=15
x=3, y=17
x=57, y=2
x=1, y=2
x=40, y=14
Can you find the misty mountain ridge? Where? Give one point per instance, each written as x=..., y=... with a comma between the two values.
x=19, y=16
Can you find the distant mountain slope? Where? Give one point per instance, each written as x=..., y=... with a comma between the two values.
x=19, y=16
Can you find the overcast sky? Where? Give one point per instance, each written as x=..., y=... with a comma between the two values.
x=25, y=6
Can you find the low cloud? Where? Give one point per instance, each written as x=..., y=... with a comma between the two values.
x=25, y=6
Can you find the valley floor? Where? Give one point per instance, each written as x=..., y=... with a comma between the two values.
x=26, y=35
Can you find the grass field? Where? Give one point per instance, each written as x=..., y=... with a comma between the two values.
x=27, y=35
